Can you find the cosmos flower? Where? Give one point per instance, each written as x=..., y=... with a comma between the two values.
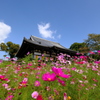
x=1, y=61
x=29, y=64
x=28, y=53
x=49, y=77
x=6, y=86
x=61, y=82
x=2, y=77
x=98, y=51
x=65, y=96
x=37, y=83
x=10, y=97
x=23, y=83
x=59, y=72
x=74, y=68
x=25, y=79
x=39, y=97
x=91, y=52
x=97, y=62
x=35, y=95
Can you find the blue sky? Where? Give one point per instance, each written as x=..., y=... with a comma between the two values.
x=62, y=21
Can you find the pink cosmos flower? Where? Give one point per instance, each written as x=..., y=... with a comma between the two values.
x=29, y=64
x=37, y=76
x=38, y=73
x=77, y=53
x=14, y=59
x=2, y=77
x=1, y=61
x=51, y=59
x=49, y=77
x=28, y=53
x=10, y=97
x=80, y=62
x=65, y=76
x=72, y=82
x=6, y=86
x=37, y=83
x=74, y=68
x=42, y=54
x=39, y=97
x=35, y=95
x=23, y=84
x=65, y=96
x=91, y=52
x=82, y=57
x=59, y=72
x=95, y=69
x=48, y=88
x=97, y=62
x=95, y=80
x=98, y=51
x=80, y=71
x=60, y=57
x=25, y=79
x=61, y=82
x=56, y=92
x=94, y=85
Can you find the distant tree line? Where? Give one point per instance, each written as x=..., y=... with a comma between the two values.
x=92, y=43
x=10, y=48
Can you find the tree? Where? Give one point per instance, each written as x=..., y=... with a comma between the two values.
x=93, y=41
x=4, y=56
x=79, y=47
x=10, y=48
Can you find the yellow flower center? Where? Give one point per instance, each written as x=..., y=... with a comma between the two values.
x=49, y=79
x=69, y=98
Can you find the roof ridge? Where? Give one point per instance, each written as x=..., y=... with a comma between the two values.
x=45, y=39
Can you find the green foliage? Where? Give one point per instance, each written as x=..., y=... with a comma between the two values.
x=84, y=83
x=28, y=58
x=80, y=47
x=93, y=41
x=10, y=48
x=95, y=56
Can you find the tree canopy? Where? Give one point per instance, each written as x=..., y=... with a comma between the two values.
x=90, y=44
x=10, y=48
x=79, y=47
x=93, y=41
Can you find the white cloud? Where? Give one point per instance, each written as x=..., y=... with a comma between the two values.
x=45, y=31
x=4, y=31
x=59, y=36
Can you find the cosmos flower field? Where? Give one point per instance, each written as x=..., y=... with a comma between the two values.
x=65, y=78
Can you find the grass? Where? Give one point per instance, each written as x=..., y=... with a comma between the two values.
x=83, y=84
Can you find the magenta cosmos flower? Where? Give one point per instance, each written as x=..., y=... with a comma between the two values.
x=37, y=83
x=10, y=97
x=91, y=52
x=35, y=95
x=49, y=77
x=1, y=61
x=59, y=72
x=61, y=82
x=2, y=77
x=98, y=51
x=98, y=62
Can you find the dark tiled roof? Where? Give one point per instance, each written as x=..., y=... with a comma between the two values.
x=46, y=43
x=35, y=41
